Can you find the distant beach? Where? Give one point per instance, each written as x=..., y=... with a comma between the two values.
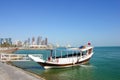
x=8, y=49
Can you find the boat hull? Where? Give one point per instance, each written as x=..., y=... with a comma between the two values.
x=50, y=65
x=80, y=57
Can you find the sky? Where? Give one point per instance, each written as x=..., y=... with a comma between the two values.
x=74, y=22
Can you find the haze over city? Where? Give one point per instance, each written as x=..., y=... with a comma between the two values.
x=74, y=22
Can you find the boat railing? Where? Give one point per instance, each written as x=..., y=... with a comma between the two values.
x=71, y=53
x=66, y=53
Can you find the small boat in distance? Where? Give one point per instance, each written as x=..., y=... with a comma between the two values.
x=65, y=58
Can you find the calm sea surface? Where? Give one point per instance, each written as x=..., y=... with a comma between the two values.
x=104, y=65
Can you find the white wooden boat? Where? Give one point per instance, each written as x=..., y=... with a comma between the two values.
x=72, y=57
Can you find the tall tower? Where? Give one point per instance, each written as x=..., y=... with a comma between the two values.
x=33, y=40
x=46, y=41
x=38, y=40
x=28, y=41
x=43, y=42
x=0, y=41
x=10, y=41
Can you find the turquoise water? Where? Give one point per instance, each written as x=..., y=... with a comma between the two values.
x=104, y=65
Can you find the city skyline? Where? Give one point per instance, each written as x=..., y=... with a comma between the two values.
x=74, y=22
x=34, y=41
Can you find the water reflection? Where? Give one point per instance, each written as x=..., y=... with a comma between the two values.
x=83, y=72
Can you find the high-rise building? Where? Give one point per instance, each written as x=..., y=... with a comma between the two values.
x=25, y=43
x=43, y=42
x=46, y=41
x=33, y=41
x=1, y=40
x=10, y=41
x=39, y=40
x=6, y=40
x=28, y=41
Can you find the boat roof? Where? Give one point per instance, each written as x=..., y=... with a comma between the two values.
x=80, y=49
x=75, y=49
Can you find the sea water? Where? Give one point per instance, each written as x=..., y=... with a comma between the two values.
x=104, y=65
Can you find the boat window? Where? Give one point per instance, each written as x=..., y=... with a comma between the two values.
x=84, y=53
x=64, y=54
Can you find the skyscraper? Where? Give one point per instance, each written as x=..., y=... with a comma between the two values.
x=28, y=41
x=38, y=39
x=1, y=40
x=6, y=40
x=43, y=42
x=46, y=41
x=33, y=41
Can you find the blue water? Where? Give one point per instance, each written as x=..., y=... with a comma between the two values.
x=104, y=65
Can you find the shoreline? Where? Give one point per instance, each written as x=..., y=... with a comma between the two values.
x=29, y=72
x=8, y=71
x=8, y=49
x=35, y=48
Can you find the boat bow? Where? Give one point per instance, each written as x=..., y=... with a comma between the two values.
x=36, y=59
